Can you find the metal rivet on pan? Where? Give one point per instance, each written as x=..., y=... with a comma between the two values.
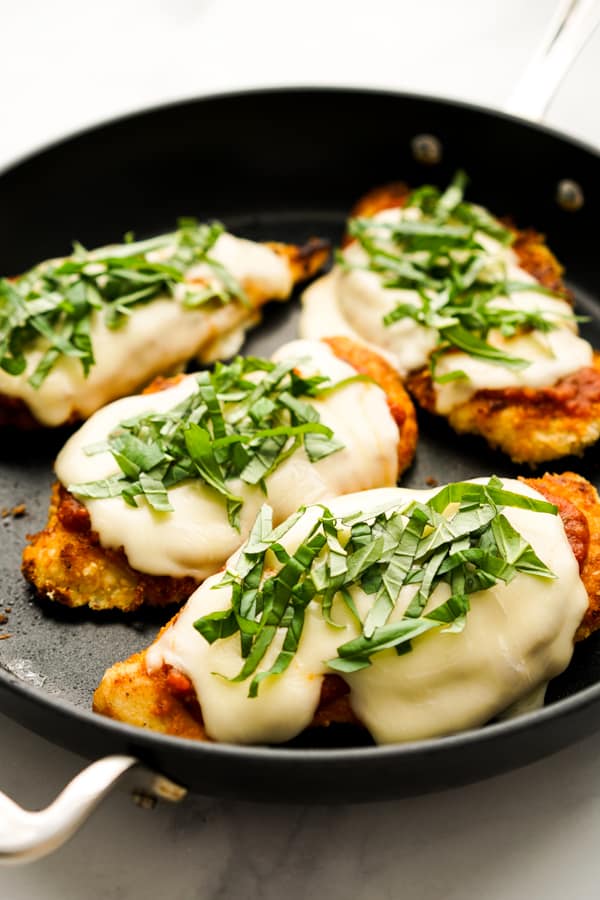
x=143, y=800
x=426, y=149
x=569, y=195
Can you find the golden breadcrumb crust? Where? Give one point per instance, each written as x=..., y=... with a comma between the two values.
x=164, y=699
x=385, y=196
x=304, y=261
x=531, y=425
x=579, y=507
x=67, y=563
x=130, y=694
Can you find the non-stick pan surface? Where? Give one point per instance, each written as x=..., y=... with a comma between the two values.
x=283, y=164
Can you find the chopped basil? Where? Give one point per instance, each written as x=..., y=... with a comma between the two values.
x=51, y=305
x=441, y=257
x=234, y=426
x=459, y=537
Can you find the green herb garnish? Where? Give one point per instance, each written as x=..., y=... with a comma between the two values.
x=440, y=256
x=460, y=537
x=51, y=306
x=234, y=426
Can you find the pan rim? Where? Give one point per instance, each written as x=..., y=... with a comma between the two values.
x=152, y=109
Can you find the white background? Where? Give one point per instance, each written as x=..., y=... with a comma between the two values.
x=532, y=833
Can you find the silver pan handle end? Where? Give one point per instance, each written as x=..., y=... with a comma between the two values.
x=570, y=28
x=26, y=836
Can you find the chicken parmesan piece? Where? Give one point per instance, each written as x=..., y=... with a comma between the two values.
x=76, y=333
x=472, y=311
x=491, y=623
x=157, y=490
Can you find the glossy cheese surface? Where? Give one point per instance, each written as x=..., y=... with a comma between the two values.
x=516, y=638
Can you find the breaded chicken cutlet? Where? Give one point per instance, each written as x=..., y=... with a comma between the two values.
x=84, y=557
x=79, y=332
x=475, y=314
x=153, y=690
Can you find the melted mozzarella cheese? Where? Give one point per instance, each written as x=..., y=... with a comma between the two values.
x=197, y=538
x=551, y=357
x=156, y=338
x=354, y=302
x=516, y=638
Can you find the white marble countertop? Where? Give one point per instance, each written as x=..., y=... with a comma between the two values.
x=530, y=833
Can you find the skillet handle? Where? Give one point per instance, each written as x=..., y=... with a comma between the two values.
x=570, y=28
x=26, y=836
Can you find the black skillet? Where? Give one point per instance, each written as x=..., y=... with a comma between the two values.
x=281, y=164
